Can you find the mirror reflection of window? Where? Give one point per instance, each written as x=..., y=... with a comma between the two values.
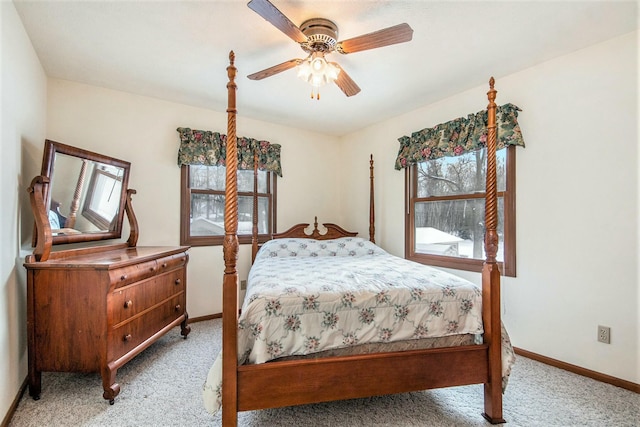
x=103, y=196
x=53, y=220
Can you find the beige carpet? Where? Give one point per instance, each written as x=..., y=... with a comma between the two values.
x=162, y=387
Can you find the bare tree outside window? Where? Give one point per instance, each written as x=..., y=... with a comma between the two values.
x=203, y=198
x=445, y=216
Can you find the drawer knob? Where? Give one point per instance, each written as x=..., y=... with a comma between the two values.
x=164, y=265
x=126, y=337
x=123, y=277
x=178, y=307
x=153, y=268
x=128, y=304
x=178, y=281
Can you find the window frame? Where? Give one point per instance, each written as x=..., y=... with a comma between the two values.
x=185, y=211
x=508, y=266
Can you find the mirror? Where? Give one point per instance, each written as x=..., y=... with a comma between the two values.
x=86, y=193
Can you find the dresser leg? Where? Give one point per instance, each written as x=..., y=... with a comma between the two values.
x=184, y=327
x=109, y=385
x=35, y=383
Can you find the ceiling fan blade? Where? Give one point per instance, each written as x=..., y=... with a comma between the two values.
x=397, y=34
x=274, y=70
x=346, y=83
x=271, y=13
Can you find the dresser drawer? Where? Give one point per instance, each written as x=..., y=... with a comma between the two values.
x=173, y=261
x=127, y=336
x=128, y=301
x=133, y=273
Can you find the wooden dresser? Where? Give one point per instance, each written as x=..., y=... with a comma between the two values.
x=94, y=308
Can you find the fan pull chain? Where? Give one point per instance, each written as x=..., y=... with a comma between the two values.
x=315, y=95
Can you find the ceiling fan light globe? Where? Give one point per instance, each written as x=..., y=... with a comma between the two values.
x=304, y=70
x=318, y=65
x=316, y=71
x=332, y=72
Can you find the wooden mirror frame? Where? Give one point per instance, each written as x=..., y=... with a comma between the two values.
x=51, y=148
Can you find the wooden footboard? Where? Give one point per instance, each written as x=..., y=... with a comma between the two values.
x=349, y=377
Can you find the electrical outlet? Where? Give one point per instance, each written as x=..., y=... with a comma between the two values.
x=243, y=285
x=604, y=334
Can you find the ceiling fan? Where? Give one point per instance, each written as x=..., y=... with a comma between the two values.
x=319, y=37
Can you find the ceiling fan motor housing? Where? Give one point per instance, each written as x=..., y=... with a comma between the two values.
x=322, y=35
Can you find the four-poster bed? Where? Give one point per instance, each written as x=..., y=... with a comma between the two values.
x=339, y=376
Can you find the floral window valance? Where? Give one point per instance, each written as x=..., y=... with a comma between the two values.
x=459, y=136
x=202, y=147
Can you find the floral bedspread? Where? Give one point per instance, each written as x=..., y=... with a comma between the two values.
x=305, y=296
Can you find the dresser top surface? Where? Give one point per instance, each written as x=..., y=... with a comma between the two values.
x=109, y=258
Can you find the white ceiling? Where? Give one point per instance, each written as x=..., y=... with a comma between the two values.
x=178, y=50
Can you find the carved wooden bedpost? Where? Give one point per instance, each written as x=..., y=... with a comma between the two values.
x=254, y=228
x=491, y=275
x=75, y=203
x=372, y=209
x=230, y=251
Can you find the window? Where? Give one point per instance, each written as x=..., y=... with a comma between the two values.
x=202, y=206
x=445, y=211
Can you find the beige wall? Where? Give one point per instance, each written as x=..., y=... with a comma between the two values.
x=23, y=128
x=577, y=201
x=143, y=131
